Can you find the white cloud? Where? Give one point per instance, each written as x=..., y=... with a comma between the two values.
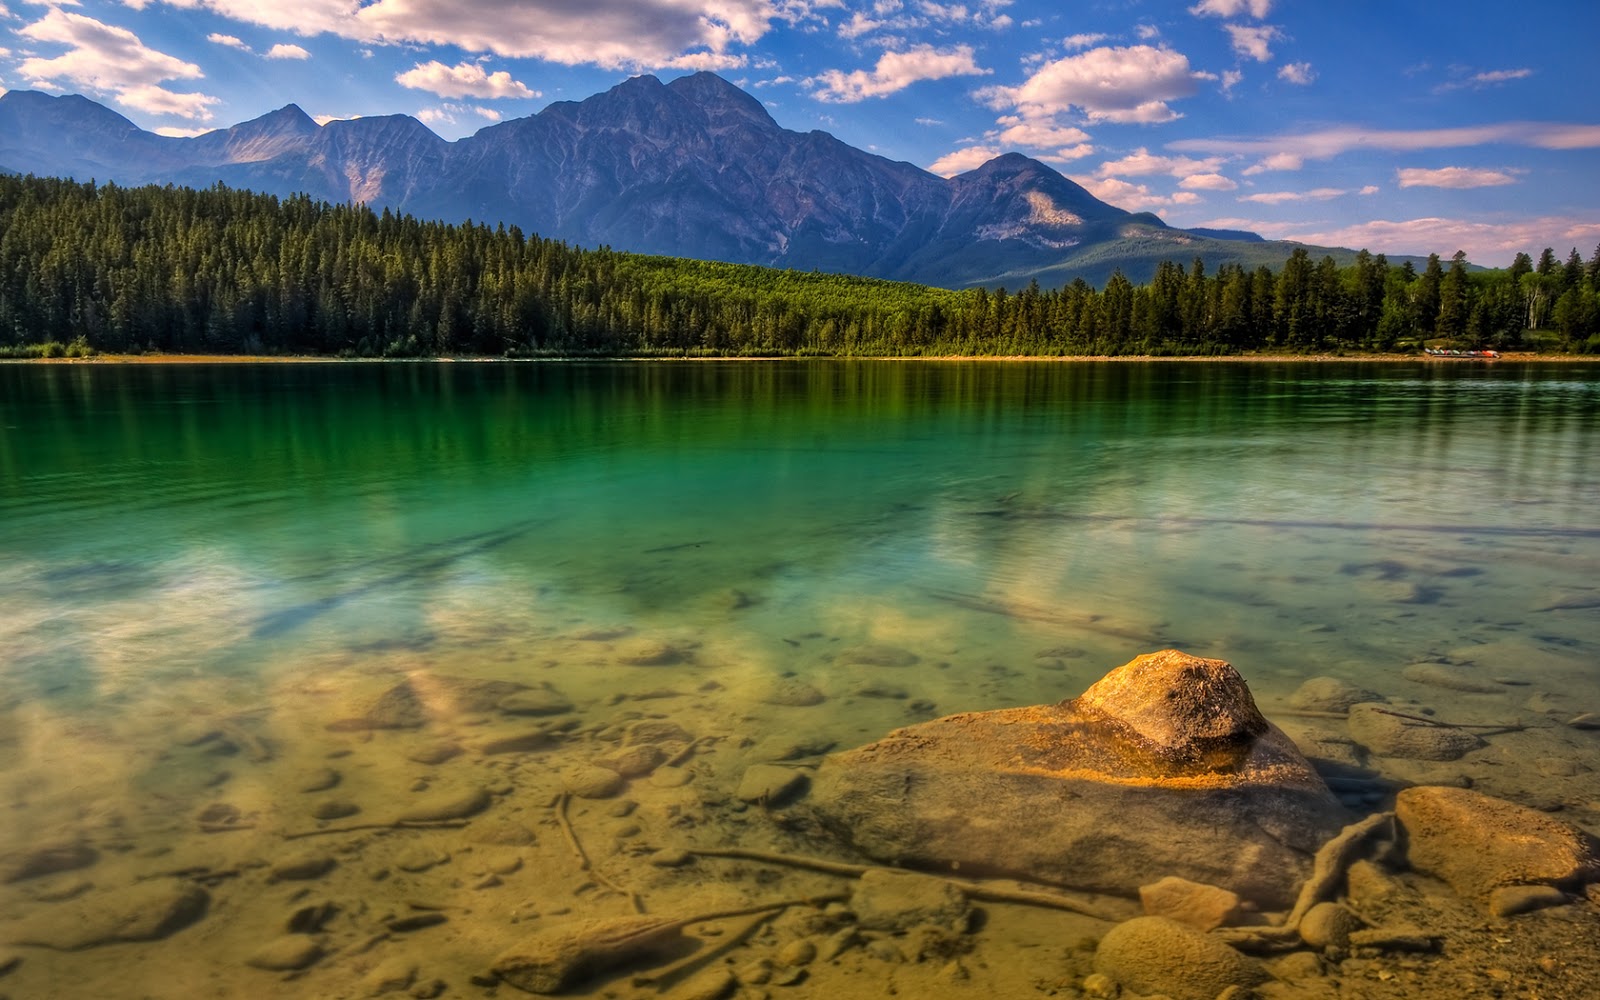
x=1133, y=197
x=1280, y=197
x=230, y=41
x=160, y=101
x=1252, y=40
x=1277, y=161
x=1207, y=182
x=1147, y=32
x=1038, y=135
x=1142, y=163
x=287, y=52
x=1068, y=154
x=1334, y=141
x=929, y=121
x=1458, y=178
x=1129, y=84
x=962, y=160
x=1083, y=41
x=613, y=34
x=451, y=114
x=708, y=61
x=467, y=79
x=895, y=71
x=1257, y=9
x=174, y=132
x=1501, y=76
x=1298, y=73
x=107, y=59
x=325, y=119
x=1230, y=79
x=1492, y=244
x=1369, y=189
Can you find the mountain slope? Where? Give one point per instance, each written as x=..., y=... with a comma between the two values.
x=691, y=168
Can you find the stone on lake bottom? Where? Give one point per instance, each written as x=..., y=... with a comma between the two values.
x=147, y=911
x=287, y=953
x=1382, y=732
x=1478, y=844
x=770, y=784
x=1154, y=955
x=589, y=782
x=1164, y=767
x=887, y=900
x=1513, y=900
x=1329, y=694
x=447, y=806
x=1203, y=907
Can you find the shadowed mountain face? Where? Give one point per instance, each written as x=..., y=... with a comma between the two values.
x=692, y=168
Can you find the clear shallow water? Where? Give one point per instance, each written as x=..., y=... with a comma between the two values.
x=272, y=546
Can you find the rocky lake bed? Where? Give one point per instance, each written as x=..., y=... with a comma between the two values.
x=648, y=823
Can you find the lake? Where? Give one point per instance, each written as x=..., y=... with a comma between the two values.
x=256, y=616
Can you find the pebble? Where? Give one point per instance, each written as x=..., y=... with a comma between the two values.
x=1329, y=925
x=146, y=911
x=434, y=754
x=523, y=742
x=447, y=806
x=301, y=867
x=420, y=859
x=1329, y=694
x=710, y=984
x=1450, y=678
x=634, y=761
x=1511, y=900
x=671, y=777
x=47, y=860
x=654, y=731
x=755, y=973
x=589, y=782
x=335, y=809
x=798, y=952
x=836, y=944
x=891, y=692
x=320, y=780
x=622, y=808
x=888, y=900
x=311, y=919
x=536, y=701
x=770, y=784
x=286, y=954
x=671, y=858
x=416, y=921
x=392, y=975
x=1100, y=986
x=792, y=692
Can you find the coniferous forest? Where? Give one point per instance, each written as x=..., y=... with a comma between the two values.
x=90, y=268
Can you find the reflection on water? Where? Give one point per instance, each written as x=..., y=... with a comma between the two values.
x=496, y=570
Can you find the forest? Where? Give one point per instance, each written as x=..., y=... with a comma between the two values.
x=88, y=268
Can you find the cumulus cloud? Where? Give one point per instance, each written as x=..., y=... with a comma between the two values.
x=613, y=34
x=1298, y=73
x=1459, y=178
x=453, y=114
x=1277, y=161
x=107, y=59
x=1133, y=197
x=1369, y=189
x=1257, y=9
x=962, y=160
x=1038, y=135
x=231, y=41
x=1334, y=141
x=467, y=79
x=1252, y=40
x=1280, y=197
x=1142, y=163
x=1083, y=41
x=1207, y=182
x=894, y=72
x=1115, y=84
x=287, y=52
x=1230, y=79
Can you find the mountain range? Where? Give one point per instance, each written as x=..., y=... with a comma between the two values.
x=691, y=168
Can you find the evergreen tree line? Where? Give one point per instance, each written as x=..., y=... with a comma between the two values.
x=114, y=269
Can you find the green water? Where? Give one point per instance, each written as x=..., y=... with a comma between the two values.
x=276, y=543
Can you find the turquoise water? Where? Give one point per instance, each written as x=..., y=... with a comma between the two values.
x=271, y=546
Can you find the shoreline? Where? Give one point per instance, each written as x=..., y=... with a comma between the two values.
x=238, y=359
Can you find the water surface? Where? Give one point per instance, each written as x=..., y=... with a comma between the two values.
x=261, y=551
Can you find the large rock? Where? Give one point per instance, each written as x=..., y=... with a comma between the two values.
x=147, y=911
x=1478, y=843
x=1163, y=767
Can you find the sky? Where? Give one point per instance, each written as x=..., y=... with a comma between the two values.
x=1394, y=125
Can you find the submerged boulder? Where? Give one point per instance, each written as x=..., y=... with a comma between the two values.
x=1163, y=767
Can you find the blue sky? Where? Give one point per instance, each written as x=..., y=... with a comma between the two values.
x=1399, y=126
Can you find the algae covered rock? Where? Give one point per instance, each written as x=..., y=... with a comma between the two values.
x=1164, y=767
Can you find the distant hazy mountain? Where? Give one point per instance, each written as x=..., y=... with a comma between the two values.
x=692, y=168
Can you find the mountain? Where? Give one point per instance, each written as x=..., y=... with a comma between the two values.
x=692, y=168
